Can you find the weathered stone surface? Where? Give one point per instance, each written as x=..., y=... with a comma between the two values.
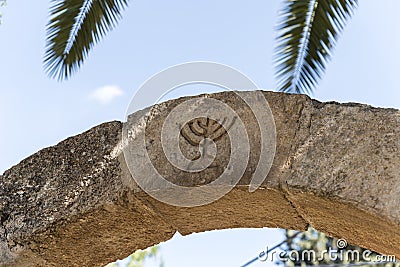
x=336, y=168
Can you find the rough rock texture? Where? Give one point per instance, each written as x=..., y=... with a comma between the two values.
x=336, y=168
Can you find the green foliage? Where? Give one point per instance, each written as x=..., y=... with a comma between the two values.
x=73, y=28
x=138, y=258
x=313, y=240
x=308, y=31
x=2, y=3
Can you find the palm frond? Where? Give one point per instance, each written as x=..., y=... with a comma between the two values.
x=308, y=30
x=74, y=27
x=2, y=3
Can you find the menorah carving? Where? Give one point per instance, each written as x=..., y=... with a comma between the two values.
x=200, y=132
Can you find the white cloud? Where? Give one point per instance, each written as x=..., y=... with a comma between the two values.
x=105, y=94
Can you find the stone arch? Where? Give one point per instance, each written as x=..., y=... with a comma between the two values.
x=336, y=168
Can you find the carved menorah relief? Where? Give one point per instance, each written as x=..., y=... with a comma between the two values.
x=202, y=132
x=194, y=150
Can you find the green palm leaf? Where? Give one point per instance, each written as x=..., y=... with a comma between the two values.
x=74, y=27
x=308, y=30
x=2, y=3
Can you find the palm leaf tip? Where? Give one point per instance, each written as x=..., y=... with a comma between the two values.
x=307, y=33
x=74, y=27
x=2, y=3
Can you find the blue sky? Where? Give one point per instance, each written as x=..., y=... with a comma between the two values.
x=36, y=112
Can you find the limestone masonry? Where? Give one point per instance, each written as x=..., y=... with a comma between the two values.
x=336, y=168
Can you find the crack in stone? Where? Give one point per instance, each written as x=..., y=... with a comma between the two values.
x=293, y=146
x=286, y=194
x=284, y=186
